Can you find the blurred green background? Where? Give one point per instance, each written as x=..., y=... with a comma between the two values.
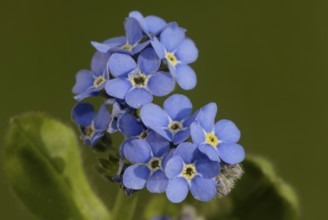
x=263, y=62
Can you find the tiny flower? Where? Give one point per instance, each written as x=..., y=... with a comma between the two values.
x=136, y=83
x=178, y=52
x=119, y=108
x=89, y=83
x=132, y=43
x=217, y=141
x=92, y=125
x=173, y=121
x=151, y=25
x=149, y=158
x=190, y=169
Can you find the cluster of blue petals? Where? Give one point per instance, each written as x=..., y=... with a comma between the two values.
x=170, y=148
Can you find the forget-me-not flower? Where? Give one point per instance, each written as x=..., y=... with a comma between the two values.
x=132, y=43
x=178, y=51
x=173, y=121
x=190, y=169
x=149, y=158
x=217, y=141
x=89, y=83
x=92, y=125
x=136, y=83
x=151, y=25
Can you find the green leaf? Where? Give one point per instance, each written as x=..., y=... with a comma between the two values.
x=261, y=194
x=43, y=166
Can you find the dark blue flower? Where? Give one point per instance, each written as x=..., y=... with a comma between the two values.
x=178, y=51
x=174, y=121
x=217, y=141
x=151, y=25
x=93, y=126
x=149, y=158
x=136, y=83
x=89, y=83
x=132, y=43
x=190, y=169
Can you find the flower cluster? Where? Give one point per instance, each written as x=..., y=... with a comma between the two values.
x=167, y=149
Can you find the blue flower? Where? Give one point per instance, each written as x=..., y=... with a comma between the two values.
x=217, y=141
x=89, y=83
x=178, y=51
x=119, y=108
x=149, y=158
x=151, y=25
x=136, y=83
x=190, y=169
x=92, y=125
x=174, y=121
x=132, y=43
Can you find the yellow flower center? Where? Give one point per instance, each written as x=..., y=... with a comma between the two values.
x=170, y=57
x=89, y=131
x=189, y=171
x=175, y=127
x=154, y=164
x=211, y=139
x=99, y=81
x=127, y=47
x=139, y=80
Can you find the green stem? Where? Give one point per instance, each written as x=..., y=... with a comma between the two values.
x=124, y=206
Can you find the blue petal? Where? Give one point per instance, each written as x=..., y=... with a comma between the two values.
x=231, y=153
x=187, y=151
x=153, y=116
x=84, y=80
x=124, y=143
x=172, y=37
x=164, y=133
x=209, y=151
x=157, y=182
x=227, y=131
x=137, y=15
x=177, y=190
x=197, y=133
x=101, y=47
x=154, y=24
x=178, y=107
x=129, y=125
x=137, y=151
x=121, y=64
x=167, y=157
x=207, y=115
x=191, y=119
x=115, y=41
x=136, y=98
x=207, y=168
x=83, y=114
x=187, y=52
x=203, y=189
x=139, y=47
x=186, y=77
x=159, y=145
x=135, y=176
x=161, y=84
x=99, y=63
x=158, y=47
x=117, y=87
x=102, y=119
x=174, y=167
x=132, y=30
x=148, y=61
x=181, y=136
